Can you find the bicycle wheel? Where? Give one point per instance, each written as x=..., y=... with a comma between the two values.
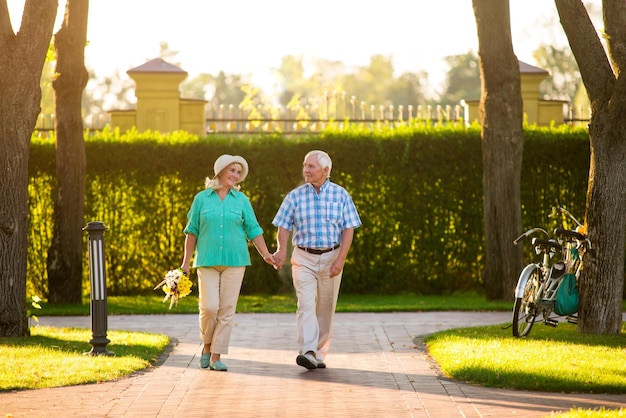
x=525, y=308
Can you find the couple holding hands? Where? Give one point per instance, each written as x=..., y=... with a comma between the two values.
x=322, y=217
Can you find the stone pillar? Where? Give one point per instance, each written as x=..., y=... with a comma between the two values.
x=158, y=96
x=531, y=77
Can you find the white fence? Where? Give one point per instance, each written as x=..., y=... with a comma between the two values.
x=313, y=119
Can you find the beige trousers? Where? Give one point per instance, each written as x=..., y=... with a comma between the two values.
x=219, y=289
x=317, y=294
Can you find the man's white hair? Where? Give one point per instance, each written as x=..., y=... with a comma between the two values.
x=322, y=158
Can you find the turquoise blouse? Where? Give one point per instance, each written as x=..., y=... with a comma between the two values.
x=222, y=228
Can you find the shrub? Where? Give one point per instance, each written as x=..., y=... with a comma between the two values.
x=418, y=191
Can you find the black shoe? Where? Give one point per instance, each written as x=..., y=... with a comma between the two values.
x=321, y=364
x=307, y=360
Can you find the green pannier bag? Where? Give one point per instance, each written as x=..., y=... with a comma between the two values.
x=567, y=297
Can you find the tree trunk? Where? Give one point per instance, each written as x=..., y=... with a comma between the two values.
x=502, y=144
x=65, y=272
x=602, y=280
x=23, y=56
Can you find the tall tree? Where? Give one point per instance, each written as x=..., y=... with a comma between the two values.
x=291, y=78
x=116, y=91
x=228, y=88
x=405, y=90
x=23, y=55
x=462, y=80
x=564, y=75
x=370, y=84
x=602, y=280
x=47, y=92
x=502, y=144
x=65, y=271
x=168, y=54
x=197, y=87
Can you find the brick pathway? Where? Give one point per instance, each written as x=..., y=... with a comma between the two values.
x=374, y=370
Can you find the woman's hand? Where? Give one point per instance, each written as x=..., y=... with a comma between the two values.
x=269, y=259
x=279, y=258
x=185, y=270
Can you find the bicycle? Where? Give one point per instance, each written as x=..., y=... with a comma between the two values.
x=536, y=290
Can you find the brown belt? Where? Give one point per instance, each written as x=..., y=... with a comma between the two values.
x=318, y=251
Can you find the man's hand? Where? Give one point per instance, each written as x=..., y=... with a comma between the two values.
x=279, y=259
x=269, y=259
x=336, y=267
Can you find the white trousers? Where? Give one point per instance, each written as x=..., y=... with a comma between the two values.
x=317, y=294
x=219, y=289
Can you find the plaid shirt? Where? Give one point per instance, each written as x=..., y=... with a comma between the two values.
x=317, y=219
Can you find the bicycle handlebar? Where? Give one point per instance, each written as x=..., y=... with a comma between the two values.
x=565, y=234
x=556, y=209
x=530, y=232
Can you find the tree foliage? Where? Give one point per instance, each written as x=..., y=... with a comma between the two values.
x=564, y=78
x=462, y=80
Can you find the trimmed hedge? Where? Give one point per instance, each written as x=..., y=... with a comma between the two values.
x=418, y=191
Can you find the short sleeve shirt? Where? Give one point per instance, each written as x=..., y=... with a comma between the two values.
x=317, y=219
x=222, y=228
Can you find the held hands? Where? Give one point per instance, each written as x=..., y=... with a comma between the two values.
x=279, y=258
x=269, y=259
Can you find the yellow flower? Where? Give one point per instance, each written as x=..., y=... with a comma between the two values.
x=176, y=285
x=184, y=286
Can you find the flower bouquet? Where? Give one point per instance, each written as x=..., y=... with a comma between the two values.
x=176, y=285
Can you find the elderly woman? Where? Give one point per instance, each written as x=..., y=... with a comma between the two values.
x=220, y=223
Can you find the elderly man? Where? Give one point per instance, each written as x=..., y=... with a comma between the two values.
x=322, y=216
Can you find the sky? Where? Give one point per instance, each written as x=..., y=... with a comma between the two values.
x=250, y=37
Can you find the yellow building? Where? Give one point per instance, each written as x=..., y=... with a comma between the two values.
x=536, y=110
x=159, y=105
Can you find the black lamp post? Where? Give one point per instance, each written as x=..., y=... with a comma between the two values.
x=97, y=281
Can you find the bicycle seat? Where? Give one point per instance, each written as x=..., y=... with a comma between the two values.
x=567, y=234
x=546, y=244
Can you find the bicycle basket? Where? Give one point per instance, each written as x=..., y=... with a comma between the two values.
x=567, y=297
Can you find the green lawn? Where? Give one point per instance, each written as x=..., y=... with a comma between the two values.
x=152, y=304
x=550, y=359
x=53, y=357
